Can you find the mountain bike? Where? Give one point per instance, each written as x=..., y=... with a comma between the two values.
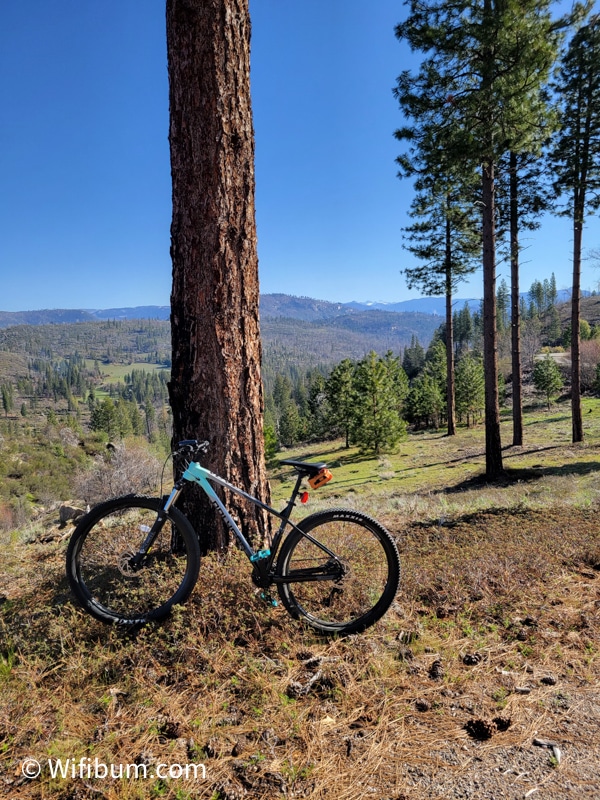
x=132, y=558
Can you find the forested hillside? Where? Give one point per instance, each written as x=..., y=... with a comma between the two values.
x=288, y=343
x=367, y=378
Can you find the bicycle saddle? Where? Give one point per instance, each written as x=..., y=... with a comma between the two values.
x=303, y=467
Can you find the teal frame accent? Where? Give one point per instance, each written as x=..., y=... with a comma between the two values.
x=195, y=473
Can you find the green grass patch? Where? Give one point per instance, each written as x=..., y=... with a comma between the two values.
x=113, y=373
x=431, y=469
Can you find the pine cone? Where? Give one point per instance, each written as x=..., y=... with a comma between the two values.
x=480, y=729
x=436, y=671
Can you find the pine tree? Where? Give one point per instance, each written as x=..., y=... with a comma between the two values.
x=378, y=424
x=463, y=328
x=425, y=401
x=502, y=306
x=436, y=367
x=398, y=379
x=445, y=237
x=289, y=423
x=8, y=398
x=470, y=388
x=484, y=66
x=524, y=194
x=552, y=291
x=547, y=378
x=216, y=387
x=576, y=157
x=341, y=394
x=318, y=408
x=413, y=359
x=536, y=297
x=553, y=330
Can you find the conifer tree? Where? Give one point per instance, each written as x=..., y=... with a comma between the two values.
x=7, y=398
x=413, y=358
x=463, y=328
x=341, y=394
x=425, y=401
x=502, y=305
x=470, y=390
x=524, y=194
x=484, y=64
x=445, y=236
x=576, y=159
x=547, y=378
x=215, y=388
x=378, y=424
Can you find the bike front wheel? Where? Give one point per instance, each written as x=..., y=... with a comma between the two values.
x=346, y=587
x=107, y=575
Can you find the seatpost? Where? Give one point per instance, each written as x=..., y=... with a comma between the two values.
x=292, y=501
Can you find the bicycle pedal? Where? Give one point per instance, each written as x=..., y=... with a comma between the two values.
x=268, y=599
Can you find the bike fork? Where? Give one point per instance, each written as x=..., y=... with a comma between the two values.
x=153, y=532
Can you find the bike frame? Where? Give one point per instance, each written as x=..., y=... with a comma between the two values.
x=262, y=559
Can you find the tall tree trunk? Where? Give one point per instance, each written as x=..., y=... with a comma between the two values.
x=515, y=311
x=215, y=388
x=577, y=420
x=450, y=404
x=579, y=199
x=493, y=446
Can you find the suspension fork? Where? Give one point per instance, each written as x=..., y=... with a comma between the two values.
x=156, y=528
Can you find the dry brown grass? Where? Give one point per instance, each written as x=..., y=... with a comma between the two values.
x=271, y=711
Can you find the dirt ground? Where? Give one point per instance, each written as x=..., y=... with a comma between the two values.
x=482, y=682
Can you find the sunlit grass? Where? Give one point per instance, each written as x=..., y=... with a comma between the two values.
x=431, y=473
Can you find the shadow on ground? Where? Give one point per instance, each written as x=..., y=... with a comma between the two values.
x=511, y=476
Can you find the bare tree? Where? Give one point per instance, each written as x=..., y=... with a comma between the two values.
x=215, y=388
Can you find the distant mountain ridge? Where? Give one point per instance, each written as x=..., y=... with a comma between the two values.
x=57, y=316
x=285, y=306
x=307, y=308
x=271, y=305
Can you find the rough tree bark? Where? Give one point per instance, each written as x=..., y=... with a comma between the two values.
x=216, y=388
x=515, y=312
x=493, y=446
x=576, y=413
x=450, y=391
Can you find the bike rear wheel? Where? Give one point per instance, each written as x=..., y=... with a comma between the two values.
x=349, y=592
x=106, y=580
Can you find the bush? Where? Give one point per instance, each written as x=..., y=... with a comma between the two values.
x=126, y=467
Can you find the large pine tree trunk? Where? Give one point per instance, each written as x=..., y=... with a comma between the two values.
x=215, y=388
x=493, y=446
x=515, y=312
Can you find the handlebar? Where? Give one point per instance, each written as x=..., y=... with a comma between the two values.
x=192, y=448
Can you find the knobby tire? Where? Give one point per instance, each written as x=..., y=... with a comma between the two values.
x=371, y=567
x=99, y=553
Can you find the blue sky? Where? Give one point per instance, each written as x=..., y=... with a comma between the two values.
x=85, y=201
